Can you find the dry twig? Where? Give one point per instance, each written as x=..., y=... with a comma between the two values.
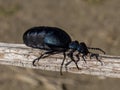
x=21, y=55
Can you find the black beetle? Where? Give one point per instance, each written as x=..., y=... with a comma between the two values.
x=54, y=40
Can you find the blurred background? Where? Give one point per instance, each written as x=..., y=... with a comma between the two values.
x=95, y=22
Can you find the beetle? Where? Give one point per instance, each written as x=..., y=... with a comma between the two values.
x=55, y=40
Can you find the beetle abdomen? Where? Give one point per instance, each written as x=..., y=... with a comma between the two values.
x=46, y=38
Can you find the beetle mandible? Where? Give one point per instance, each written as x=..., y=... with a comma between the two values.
x=55, y=40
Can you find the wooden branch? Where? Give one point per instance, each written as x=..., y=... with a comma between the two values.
x=21, y=55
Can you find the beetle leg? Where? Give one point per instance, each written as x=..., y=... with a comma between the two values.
x=72, y=59
x=77, y=55
x=62, y=63
x=96, y=56
x=37, y=59
x=67, y=64
x=83, y=56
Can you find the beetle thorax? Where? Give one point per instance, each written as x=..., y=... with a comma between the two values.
x=74, y=45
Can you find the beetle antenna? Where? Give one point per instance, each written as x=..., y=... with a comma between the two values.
x=96, y=49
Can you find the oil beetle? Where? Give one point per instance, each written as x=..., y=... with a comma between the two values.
x=54, y=40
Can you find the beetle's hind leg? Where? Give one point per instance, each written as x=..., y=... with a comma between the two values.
x=42, y=56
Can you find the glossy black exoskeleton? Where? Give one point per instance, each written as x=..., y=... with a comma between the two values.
x=54, y=40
